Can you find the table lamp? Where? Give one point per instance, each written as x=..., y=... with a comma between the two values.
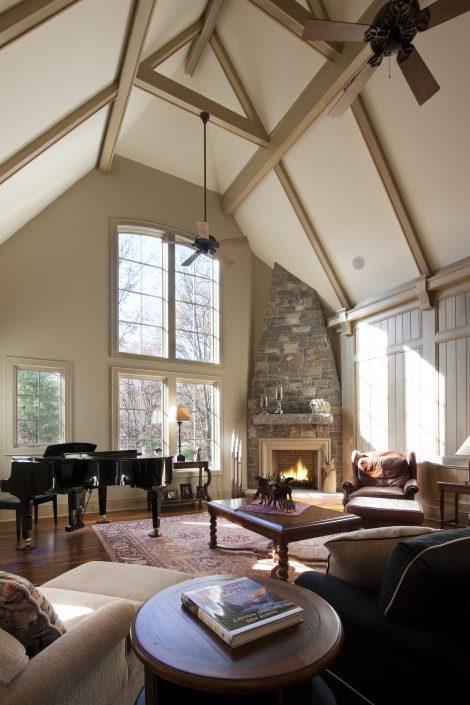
x=465, y=450
x=182, y=414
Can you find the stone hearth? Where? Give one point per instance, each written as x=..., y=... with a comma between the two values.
x=295, y=353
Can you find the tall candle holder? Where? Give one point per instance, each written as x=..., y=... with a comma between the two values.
x=279, y=401
x=264, y=405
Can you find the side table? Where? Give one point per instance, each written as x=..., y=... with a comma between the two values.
x=183, y=657
x=457, y=488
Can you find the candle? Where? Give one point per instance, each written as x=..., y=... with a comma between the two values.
x=278, y=393
x=264, y=402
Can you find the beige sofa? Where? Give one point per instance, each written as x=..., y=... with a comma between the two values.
x=93, y=661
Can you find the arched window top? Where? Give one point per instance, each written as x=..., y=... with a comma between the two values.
x=163, y=308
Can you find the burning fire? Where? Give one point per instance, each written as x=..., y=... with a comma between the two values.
x=299, y=472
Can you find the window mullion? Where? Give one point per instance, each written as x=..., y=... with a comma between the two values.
x=171, y=308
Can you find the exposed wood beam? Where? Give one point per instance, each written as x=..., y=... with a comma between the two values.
x=27, y=15
x=293, y=16
x=143, y=12
x=163, y=87
x=199, y=43
x=318, y=9
x=331, y=79
x=233, y=77
x=312, y=234
x=56, y=132
x=174, y=45
x=375, y=148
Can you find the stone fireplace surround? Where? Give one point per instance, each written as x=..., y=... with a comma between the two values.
x=294, y=352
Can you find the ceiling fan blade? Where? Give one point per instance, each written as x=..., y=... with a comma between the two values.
x=352, y=91
x=222, y=258
x=190, y=259
x=234, y=242
x=202, y=228
x=326, y=31
x=443, y=10
x=420, y=79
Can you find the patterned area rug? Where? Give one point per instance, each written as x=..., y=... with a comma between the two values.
x=184, y=545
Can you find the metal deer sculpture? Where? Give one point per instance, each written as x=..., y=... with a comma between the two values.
x=328, y=476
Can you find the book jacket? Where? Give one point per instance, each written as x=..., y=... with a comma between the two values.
x=241, y=609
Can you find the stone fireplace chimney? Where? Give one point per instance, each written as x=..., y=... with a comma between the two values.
x=295, y=353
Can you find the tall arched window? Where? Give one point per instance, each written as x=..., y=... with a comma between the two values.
x=161, y=307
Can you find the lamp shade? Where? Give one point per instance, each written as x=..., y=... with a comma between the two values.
x=464, y=448
x=182, y=413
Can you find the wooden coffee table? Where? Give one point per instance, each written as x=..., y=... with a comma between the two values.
x=282, y=529
x=177, y=648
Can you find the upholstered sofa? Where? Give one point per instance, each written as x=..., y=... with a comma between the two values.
x=404, y=602
x=92, y=662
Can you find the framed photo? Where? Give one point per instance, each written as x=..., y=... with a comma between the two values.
x=200, y=492
x=186, y=491
x=171, y=494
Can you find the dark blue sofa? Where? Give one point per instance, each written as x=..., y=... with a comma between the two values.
x=406, y=643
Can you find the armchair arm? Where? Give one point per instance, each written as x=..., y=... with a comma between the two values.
x=64, y=662
x=350, y=485
x=411, y=488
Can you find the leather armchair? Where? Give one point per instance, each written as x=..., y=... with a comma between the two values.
x=384, y=474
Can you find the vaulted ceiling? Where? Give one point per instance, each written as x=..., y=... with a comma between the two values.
x=352, y=206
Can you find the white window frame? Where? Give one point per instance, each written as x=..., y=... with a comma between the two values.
x=12, y=364
x=170, y=429
x=147, y=228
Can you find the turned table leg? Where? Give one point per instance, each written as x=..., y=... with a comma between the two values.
x=283, y=562
x=213, y=531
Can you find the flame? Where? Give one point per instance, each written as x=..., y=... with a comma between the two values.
x=299, y=472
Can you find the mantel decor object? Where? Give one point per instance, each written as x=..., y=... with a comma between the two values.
x=279, y=401
x=264, y=405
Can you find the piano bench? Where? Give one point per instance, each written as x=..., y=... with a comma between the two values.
x=13, y=502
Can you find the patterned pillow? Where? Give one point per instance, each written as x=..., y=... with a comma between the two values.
x=26, y=614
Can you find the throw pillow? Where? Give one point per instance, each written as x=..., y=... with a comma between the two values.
x=359, y=557
x=26, y=614
x=14, y=657
x=425, y=574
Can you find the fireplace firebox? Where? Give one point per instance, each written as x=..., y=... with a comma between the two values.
x=300, y=458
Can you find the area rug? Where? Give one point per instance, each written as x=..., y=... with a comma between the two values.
x=184, y=545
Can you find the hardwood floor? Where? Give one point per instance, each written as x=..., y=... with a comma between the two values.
x=58, y=550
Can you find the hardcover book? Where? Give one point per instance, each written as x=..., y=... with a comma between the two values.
x=241, y=610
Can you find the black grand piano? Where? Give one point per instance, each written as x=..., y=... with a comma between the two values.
x=76, y=469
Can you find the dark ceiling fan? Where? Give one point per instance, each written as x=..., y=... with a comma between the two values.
x=391, y=32
x=204, y=243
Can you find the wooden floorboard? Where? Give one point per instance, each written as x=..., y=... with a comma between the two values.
x=56, y=549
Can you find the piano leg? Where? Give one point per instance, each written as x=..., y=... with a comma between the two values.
x=26, y=524
x=156, y=494
x=102, y=499
x=76, y=502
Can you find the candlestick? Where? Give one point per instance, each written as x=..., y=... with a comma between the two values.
x=279, y=401
x=264, y=404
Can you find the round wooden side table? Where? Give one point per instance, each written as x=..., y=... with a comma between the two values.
x=184, y=658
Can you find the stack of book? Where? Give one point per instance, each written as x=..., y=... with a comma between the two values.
x=241, y=610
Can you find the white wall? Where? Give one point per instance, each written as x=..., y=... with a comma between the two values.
x=55, y=300
x=408, y=387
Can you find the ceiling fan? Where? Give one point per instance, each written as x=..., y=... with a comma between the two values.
x=204, y=243
x=391, y=32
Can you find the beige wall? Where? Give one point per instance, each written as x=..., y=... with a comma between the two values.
x=55, y=298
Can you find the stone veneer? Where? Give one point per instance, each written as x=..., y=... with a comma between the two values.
x=295, y=353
